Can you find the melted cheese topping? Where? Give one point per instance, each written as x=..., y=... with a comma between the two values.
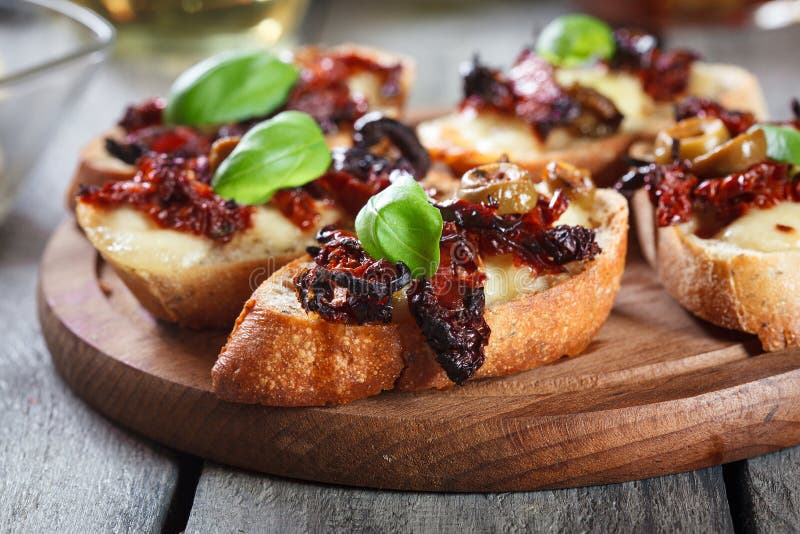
x=491, y=134
x=129, y=236
x=368, y=86
x=505, y=281
x=622, y=88
x=759, y=229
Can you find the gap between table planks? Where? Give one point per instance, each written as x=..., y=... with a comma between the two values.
x=658, y=392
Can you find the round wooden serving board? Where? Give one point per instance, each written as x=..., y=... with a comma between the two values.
x=657, y=392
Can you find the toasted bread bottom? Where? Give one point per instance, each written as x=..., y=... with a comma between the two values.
x=747, y=290
x=755, y=292
x=279, y=355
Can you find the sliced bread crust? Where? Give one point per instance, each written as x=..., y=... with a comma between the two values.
x=751, y=291
x=279, y=355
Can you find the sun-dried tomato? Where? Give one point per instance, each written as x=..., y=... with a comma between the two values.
x=148, y=113
x=737, y=122
x=528, y=237
x=323, y=91
x=664, y=74
x=530, y=91
x=180, y=141
x=632, y=49
x=297, y=205
x=723, y=200
x=678, y=194
x=540, y=100
x=355, y=175
x=175, y=194
x=346, y=285
x=448, y=307
x=671, y=192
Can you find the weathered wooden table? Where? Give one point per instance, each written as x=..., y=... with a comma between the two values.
x=65, y=468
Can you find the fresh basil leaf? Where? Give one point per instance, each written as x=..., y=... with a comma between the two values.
x=572, y=40
x=230, y=87
x=400, y=224
x=783, y=142
x=288, y=150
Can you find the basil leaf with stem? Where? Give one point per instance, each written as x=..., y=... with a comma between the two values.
x=400, y=224
x=572, y=40
x=288, y=150
x=783, y=142
x=230, y=87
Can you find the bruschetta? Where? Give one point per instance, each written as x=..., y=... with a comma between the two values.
x=192, y=257
x=336, y=86
x=718, y=216
x=587, y=115
x=528, y=271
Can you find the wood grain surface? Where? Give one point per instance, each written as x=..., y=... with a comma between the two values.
x=658, y=392
x=62, y=466
x=65, y=468
x=228, y=498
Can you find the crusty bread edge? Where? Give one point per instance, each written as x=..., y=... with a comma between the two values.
x=277, y=355
x=201, y=296
x=745, y=290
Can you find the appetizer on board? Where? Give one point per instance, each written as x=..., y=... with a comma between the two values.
x=193, y=236
x=582, y=96
x=515, y=271
x=336, y=86
x=718, y=215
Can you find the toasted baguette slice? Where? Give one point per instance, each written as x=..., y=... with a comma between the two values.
x=279, y=355
x=467, y=138
x=96, y=166
x=725, y=284
x=189, y=279
x=193, y=280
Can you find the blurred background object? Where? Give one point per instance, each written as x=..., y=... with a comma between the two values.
x=777, y=14
x=166, y=24
x=656, y=15
x=48, y=52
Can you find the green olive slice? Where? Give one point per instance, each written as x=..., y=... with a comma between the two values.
x=734, y=156
x=572, y=179
x=695, y=136
x=510, y=186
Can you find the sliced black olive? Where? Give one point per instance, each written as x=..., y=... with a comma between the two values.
x=372, y=128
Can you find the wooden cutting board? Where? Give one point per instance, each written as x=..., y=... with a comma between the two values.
x=657, y=392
